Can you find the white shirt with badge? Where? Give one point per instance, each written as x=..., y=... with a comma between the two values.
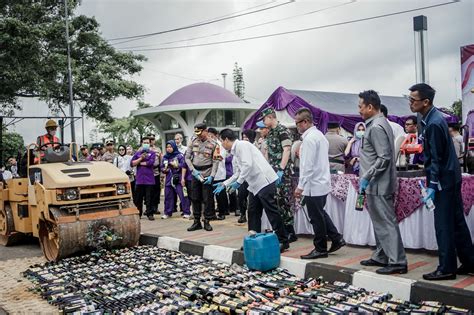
x=250, y=166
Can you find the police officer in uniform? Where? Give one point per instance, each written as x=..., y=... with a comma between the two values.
x=200, y=160
x=337, y=146
x=109, y=155
x=279, y=150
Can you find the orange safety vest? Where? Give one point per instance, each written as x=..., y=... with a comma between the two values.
x=44, y=139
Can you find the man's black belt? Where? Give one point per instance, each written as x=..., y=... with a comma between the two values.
x=202, y=168
x=336, y=161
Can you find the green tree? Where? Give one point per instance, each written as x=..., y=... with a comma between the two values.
x=12, y=143
x=33, y=60
x=239, y=85
x=457, y=109
x=129, y=130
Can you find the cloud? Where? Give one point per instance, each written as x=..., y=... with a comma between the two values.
x=376, y=54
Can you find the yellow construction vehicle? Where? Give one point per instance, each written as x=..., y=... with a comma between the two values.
x=70, y=206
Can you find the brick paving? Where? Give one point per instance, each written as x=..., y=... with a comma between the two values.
x=14, y=295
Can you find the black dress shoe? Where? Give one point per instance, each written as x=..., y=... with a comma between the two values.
x=207, y=226
x=196, y=226
x=392, y=269
x=214, y=218
x=221, y=217
x=438, y=275
x=314, y=254
x=292, y=237
x=242, y=220
x=337, y=245
x=151, y=217
x=284, y=246
x=371, y=262
x=465, y=270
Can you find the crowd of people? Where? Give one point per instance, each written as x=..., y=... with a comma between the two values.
x=217, y=174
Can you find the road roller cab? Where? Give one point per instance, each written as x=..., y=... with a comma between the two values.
x=70, y=206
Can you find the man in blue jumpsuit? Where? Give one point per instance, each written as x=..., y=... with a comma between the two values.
x=443, y=176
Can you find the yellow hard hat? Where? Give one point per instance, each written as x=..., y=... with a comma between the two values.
x=51, y=124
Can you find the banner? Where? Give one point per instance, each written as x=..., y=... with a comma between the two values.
x=467, y=79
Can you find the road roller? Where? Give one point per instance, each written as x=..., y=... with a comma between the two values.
x=70, y=206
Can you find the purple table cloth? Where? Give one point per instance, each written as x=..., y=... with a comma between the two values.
x=408, y=196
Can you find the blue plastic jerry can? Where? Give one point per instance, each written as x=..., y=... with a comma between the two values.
x=262, y=251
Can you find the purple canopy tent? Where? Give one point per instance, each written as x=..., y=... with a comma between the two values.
x=282, y=99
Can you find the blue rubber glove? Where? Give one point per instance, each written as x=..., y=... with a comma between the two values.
x=208, y=180
x=430, y=194
x=196, y=173
x=280, y=177
x=363, y=183
x=219, y=187
x=234, y=186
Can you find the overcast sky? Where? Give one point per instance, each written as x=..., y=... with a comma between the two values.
x=376, y=54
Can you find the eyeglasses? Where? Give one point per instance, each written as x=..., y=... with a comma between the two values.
x=299, y=121
x=413, y=100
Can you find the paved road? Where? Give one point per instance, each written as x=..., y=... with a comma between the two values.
x=26, y=248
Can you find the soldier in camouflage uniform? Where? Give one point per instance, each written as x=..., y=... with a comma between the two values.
x=279, y=150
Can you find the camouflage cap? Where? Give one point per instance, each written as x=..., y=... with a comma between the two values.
x=267, y=111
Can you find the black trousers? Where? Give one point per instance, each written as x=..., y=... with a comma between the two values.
x=265, y=199
x=155, y=198
x=144, y=193
x=202, y=196
x=452, y=233
x=321, y=222
x=134, y=197
x=226, y=203
x=243, y=198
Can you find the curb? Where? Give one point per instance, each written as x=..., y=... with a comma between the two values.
x=407, y=289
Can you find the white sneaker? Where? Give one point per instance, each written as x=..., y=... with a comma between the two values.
x=164, y=216
x=186, y=216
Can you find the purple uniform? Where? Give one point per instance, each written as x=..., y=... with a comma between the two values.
x=145, y=174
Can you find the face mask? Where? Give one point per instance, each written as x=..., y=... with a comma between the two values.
x=360, y=133
x=146, y=147
x=52, y=132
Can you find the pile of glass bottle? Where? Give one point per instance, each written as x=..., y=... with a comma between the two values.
x=148, y=279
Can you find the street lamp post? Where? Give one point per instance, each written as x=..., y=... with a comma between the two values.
x=223, y=78
x=69, y=73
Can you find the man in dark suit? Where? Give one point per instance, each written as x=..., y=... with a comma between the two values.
x=443, y=176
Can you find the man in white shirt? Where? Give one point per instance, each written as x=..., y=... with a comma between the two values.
x=251, y=166
x=315, y=184
x=396, y=128
x=221, y=198
x=178, y=138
